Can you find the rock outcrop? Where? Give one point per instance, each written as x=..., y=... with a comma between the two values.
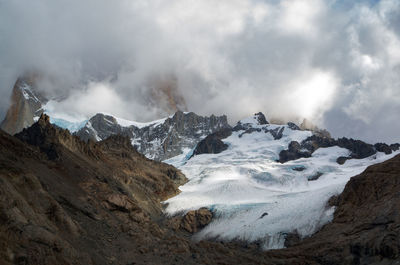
x=192, y=221
x=195, y=220
x=294, y=151
x=213, y=143
x=358, y=149
x=261, y=118
x=382, y=147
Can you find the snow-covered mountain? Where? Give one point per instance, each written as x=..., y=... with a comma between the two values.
x=256, y=197
x=160, y=139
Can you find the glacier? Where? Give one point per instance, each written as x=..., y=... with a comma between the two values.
x=253, y=197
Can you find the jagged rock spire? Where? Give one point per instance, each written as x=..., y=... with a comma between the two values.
x=26, y=103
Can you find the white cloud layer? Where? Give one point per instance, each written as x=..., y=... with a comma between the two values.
x=334, y=62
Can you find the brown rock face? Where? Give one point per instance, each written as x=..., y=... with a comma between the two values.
x=26, y=103
x=192, y=221
x=195, y=220
x=63, y=201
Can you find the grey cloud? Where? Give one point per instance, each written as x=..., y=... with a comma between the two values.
x=329, y=61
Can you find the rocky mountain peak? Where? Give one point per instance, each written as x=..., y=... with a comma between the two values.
x=159, y=140
x=44, y=119
x=52, y=140
x=26, y=103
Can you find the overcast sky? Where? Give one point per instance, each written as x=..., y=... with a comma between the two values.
x=336, y=63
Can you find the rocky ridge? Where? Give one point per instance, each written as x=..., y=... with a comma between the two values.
x=158, y=140
x=358, y=149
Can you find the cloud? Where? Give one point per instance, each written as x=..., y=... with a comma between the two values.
x=330, y=61
x=96, y=98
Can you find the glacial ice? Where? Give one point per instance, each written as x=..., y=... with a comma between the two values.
x=71, y=126
x=255, y=198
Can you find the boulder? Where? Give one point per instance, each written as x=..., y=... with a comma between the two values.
x=193, y=221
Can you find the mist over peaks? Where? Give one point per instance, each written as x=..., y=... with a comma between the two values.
x=333, y=62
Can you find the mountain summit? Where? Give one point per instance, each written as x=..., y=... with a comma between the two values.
x=26, y=104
